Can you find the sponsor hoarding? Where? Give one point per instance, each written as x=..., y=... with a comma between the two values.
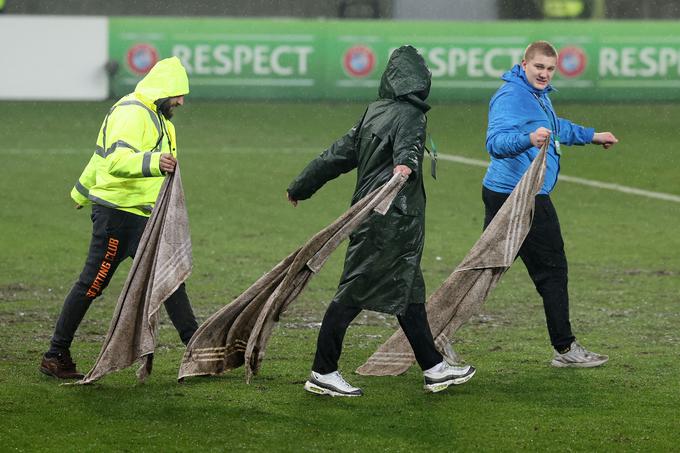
x=225, y=58
x=343, y=60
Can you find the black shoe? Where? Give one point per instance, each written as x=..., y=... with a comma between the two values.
x=60, y=366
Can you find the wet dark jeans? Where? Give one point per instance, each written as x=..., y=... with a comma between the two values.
x=543, y=255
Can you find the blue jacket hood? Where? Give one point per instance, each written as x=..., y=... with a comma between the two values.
x=518, y=76
x=516, y=110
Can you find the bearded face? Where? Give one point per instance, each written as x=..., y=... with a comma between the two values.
x=167, y=106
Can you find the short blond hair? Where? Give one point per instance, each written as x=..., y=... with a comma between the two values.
x=541, y=48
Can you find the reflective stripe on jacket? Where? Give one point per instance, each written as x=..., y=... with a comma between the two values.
x=124, y=170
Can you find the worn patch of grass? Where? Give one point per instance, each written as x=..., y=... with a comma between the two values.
x=237, y=159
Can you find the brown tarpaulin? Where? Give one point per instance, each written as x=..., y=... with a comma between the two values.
x=239, y=332
x=162, y=263
x=465, y=290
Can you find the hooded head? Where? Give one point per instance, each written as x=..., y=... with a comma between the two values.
x=167, y=79
x=517, y=76
x=406, y=74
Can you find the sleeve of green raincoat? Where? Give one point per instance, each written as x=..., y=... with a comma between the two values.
x=409, y=139
x=124, y=155
x=339, y=158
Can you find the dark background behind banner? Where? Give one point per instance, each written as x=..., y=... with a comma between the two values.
x=232, y=8
x=373, y=9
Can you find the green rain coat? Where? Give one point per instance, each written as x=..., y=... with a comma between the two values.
x=382, y=266
x=124, y=172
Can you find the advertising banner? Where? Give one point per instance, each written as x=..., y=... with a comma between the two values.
x=343, y=60
x=225, y=58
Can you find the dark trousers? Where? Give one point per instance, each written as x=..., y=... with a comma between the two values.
x=338, y=318
x=115, y=236
x=543, y=255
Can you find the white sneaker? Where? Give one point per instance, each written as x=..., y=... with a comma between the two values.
x=330, y=384
x=441, y=376
x=578, y=357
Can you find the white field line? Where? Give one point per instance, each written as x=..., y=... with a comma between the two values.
x=307, y=149
x=576, y=180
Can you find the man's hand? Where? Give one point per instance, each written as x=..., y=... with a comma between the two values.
x=79, y=206
x=403, y=169
x=167, y=163
x=539, y=136
x=606, y=139
x=292, y=200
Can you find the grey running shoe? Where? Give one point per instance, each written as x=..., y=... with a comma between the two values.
x=330, y=384
x=441, y=376
x=578, y=357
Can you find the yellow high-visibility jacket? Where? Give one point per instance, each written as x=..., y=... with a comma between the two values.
x=124, y=172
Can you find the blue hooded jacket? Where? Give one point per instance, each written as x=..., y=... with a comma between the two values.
x=516, y=110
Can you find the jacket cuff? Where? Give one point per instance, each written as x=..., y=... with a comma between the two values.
x=152, y=164
x=408, y=162
x=78, y=197
x=295, y=191
x=525, y=142
x=590, y=134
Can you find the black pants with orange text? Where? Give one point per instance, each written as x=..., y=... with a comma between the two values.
x=115, y=237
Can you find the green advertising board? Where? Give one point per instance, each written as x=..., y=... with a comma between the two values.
x=343, y=60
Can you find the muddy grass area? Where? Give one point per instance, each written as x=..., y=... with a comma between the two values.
x=28, y=313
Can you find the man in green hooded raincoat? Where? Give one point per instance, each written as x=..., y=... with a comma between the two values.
x=135, y=148
x=382, y=267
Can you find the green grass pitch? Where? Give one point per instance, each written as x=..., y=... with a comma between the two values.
x=237, y=159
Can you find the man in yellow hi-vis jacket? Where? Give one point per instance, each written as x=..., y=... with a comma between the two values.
x=135, y=148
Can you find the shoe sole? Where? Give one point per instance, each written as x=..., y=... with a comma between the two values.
x=315, y=389
x=440, y=386
x=47, y=372
x=558, y=364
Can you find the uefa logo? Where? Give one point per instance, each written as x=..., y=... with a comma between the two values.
x=571, y=61
x=359, y=61
x=141, y=58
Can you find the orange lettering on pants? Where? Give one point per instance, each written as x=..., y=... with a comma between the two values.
x=96, y=286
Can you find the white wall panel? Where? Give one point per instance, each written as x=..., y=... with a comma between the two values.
x=53, y=57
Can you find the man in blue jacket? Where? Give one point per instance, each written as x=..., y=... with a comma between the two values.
x=521, y=120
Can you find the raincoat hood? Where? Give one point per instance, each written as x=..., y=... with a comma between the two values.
x=517, y=75
x=167, y=78
x=382, y=266
x=407, y=77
